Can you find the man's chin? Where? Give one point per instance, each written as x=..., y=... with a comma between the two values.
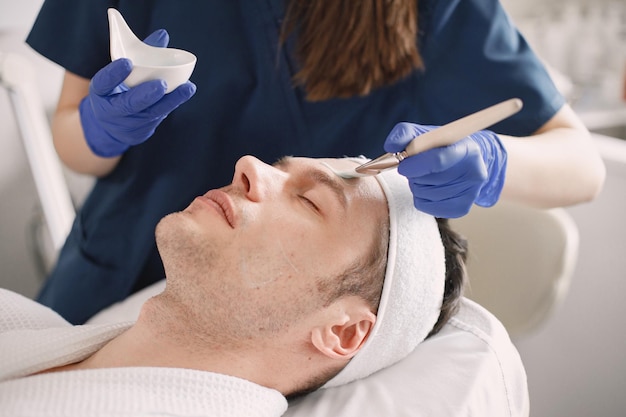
x=173, y=233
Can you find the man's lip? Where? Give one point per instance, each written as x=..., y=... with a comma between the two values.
x=221, y=200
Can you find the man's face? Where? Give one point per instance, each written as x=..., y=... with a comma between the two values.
x=254, y=252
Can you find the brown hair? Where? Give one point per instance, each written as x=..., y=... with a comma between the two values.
x=347, y=48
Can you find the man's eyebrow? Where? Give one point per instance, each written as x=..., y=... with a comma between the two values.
x=319, y=176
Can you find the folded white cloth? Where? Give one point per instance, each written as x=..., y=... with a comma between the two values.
x=34, y=338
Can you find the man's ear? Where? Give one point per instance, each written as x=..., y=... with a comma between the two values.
x=345, y=331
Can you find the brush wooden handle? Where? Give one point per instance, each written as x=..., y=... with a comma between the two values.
x=459, y=129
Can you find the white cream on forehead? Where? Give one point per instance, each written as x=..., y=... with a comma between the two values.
x=371, y=192
x=339, y=164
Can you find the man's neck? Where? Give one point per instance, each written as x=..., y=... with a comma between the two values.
x=160, y=338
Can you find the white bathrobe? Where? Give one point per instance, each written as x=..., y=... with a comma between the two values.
x=33, y=338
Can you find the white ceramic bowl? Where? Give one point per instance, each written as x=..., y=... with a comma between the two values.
x=149, y=62
x=172, y=65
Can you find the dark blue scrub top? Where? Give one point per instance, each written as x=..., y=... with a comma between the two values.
x=245, y=104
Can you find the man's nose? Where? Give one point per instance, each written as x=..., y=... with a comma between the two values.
x=256, y=179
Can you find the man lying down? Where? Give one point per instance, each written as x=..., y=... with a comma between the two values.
x=287, y=280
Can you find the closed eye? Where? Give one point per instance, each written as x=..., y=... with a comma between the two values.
x=309, y=203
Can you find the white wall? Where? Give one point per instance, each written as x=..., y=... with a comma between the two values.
x=16, y=18
x=18, y=14
x=19, y=208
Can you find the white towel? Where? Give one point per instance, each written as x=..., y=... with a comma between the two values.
x=137, y=392
x=33, y=338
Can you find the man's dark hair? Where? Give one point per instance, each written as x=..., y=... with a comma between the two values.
x=455, y=247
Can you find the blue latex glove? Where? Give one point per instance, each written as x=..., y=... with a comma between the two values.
x=446, y=181
x=115, y=117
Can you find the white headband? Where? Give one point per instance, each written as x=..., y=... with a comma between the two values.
x=413, y=290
